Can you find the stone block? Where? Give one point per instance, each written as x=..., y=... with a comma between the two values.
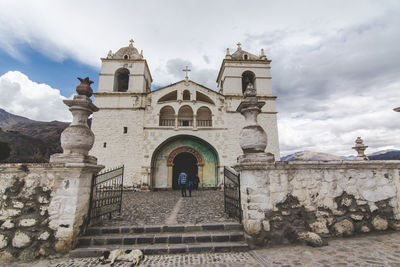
x=319, y=226
x=27, y=222
x=356, y=217
x=21, y=240
x=344, y=228
x=3, y=241
x=252, y=227
x=17, y=204
x=43, y=200
x=379, y=223
x=6, y=256
x=266, y=226
x=44, y=236
x=7, y=224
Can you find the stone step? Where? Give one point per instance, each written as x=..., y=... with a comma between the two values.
x=153, y=249
x=160, y=238
x=100, y=230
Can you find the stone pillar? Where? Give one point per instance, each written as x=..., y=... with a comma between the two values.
x=360, y=148
x=170, y=174
x=176, y=122
x=200, y=174
x=69, y=204
x=194, y=122
x=252, y=165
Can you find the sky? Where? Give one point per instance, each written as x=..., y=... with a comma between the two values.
x=335, y=64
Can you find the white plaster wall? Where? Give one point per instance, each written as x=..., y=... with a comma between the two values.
x=121, y=149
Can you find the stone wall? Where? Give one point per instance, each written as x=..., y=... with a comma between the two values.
x=282, y=200
x=43, y=208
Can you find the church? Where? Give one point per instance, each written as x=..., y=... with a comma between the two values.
x=184, y=126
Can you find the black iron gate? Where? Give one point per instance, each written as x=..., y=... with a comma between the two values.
x=232, y=193
x=106, y=194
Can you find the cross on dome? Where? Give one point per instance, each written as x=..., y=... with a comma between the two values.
x=131, y=41
x=187, y=70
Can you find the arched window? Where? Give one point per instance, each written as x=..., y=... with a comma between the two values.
x=167, y=116
x=248, y=77
x=203, y=98
x=185, y=116
x=186, y=95
x=246, y=57
x=169, y=97
x=121, y=80
x=204, y=117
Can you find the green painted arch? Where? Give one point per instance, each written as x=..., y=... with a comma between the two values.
x=159, y=160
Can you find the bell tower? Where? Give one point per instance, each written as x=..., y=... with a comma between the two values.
x=125, y=71
x=240, y=69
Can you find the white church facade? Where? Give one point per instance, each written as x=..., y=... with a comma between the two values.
x=182, y=126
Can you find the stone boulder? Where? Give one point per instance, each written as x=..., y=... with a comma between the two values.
x=311, y=239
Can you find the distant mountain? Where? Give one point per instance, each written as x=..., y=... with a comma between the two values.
x=318, y=156
x=7, y=120
x=310, y=156
x=30, y=141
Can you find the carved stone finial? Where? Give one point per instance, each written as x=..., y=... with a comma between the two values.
x=84, y=88
x=109, y=55
x=262, y=54
x=250, y=90
x=360, y=148
x=253, y=139
x=141, y=53
x=228, y=54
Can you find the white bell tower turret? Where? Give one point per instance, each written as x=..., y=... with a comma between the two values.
x=125, y=71
x=241, y=68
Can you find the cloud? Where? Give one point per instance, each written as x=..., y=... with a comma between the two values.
x=21, y=96
x=334, y=63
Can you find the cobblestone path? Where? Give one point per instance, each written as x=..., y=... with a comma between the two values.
x=140, y=208
x=372, y=250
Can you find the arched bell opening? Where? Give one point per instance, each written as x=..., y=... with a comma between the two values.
x=121, y=80
x=248, y=77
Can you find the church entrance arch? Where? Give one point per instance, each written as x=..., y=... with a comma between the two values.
x=183, y=162
x=188, y=153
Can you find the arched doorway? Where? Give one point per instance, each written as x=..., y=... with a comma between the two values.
x=163, y=173
x=186, y=162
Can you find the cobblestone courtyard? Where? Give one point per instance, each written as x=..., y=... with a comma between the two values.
x=372, y=250
x=163, y=207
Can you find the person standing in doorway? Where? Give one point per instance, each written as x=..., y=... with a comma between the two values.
x=196, y=182
x=182, y=182
x=190, y=184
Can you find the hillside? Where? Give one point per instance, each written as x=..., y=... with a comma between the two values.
x=30, y=141
x=318, y=156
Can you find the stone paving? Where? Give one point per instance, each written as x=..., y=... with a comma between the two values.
x=371, y=250
x=140, y=208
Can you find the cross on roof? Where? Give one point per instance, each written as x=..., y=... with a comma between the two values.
x=239, y=44
x=131, y=41
x=187, y=70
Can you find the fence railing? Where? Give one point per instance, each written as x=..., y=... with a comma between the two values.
x=106, y=194
x=232, y=193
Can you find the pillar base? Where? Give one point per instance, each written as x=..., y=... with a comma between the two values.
x=72, y=158
x=258, y=158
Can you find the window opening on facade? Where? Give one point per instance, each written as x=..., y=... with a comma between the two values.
x=121, y=80
x=125, y=130
x=248, y=77
x=104, y=144
x=203, y=117
x=167, y=116
x=186, y=95
x=185, y=116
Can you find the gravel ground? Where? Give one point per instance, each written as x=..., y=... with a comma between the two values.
x=140, y=208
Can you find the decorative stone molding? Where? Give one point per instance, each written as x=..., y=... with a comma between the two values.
x=187, y=149
x=252, y=139
x=77, y=139
x=360, y=148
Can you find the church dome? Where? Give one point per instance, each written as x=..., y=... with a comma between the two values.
x=128, y=52
x=241, y=54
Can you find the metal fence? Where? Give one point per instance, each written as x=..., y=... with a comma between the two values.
x=106, y=194
x=232, y=193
